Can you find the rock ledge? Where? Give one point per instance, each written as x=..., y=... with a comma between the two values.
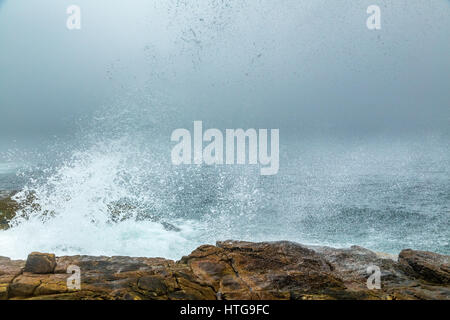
x=230, y=270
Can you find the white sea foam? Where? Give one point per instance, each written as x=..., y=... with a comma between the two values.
x=116, y=198
x=122, y=196
x=67, y=237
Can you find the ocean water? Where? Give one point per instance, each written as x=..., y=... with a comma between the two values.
x=87, y=118
x=120, y=195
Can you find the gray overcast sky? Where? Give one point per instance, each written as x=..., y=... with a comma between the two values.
x=272, y=63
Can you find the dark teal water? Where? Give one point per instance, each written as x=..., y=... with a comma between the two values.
x=383, y=195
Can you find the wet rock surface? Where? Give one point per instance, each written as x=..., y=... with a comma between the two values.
x=426, y=265
x=8, y=208
x=40, y=263
x=232, y=270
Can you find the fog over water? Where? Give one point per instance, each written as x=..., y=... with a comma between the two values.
x=288, y=64
x=86, y=117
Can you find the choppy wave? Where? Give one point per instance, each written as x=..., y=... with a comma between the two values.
x=121, y=196
x=112, y=190
x=7, y=168
x=118, y=194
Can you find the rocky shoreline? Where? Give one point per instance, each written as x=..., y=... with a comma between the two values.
x=231, y=270
x=8, y=208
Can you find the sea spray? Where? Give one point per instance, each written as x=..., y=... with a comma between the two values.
x=117, y=198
